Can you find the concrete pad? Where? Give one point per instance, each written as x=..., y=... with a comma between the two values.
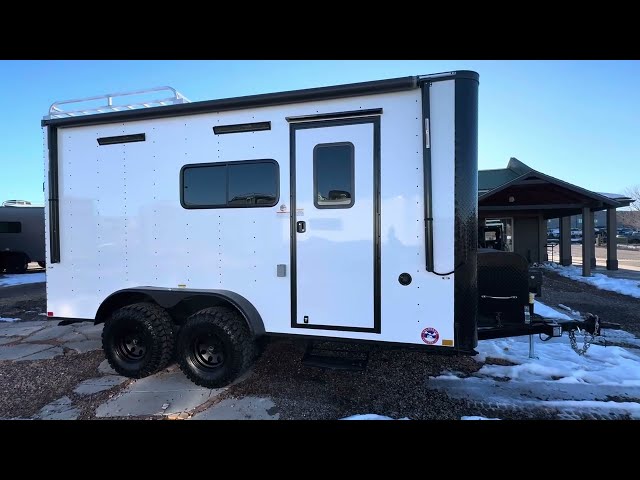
x=61, y=409
x=17, y=352
x=89, y=329
x=84, y=346
x=20, y=329
x=72, y=336
x=51, y=332
x=164, y=393
x=95, y=385
x=247, y=408
x=165, y=381
x=44, y=354
x=105, y=369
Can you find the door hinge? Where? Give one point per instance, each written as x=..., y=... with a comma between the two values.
x=427, y=143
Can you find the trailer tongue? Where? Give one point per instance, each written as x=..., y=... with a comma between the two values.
x=506, y=308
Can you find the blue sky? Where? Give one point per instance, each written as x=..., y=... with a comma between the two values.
x=576, y=120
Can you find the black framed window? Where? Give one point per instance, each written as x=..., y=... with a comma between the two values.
x=334, y=175
x=250, y=183
x=10, y=227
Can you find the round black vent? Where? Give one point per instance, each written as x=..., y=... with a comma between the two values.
x=404, y=279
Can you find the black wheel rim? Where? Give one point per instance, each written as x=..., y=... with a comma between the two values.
x=131, y=346
x=208, y=351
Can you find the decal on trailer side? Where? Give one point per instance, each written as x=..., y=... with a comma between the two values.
x=430, y=335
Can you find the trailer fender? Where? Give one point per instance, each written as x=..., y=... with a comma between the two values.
x=173, y=299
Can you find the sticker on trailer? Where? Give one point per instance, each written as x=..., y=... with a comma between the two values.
x=430, y=335
x=300, y=212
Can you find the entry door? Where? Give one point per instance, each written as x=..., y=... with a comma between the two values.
x=336, y=260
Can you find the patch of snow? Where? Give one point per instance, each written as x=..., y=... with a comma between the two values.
x=475, y=417
x=606, y=380
x=370, y=416
x=21, y=279
x=548, y=312
x=599, y=280
x=3, y=319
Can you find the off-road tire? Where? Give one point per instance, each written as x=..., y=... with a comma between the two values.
x=154, y=329
x=235, y=352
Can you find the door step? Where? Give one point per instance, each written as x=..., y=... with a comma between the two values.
x=335, y=358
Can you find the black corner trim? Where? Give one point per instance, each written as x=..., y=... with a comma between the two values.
x=426, y=172
x=136, y=137
x=293, y=127
x=54, y=208
x=335, y=115
x=251, y=101
x=466, y=213
x=242, y=127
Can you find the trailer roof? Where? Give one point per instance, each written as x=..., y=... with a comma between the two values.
x=263, y=100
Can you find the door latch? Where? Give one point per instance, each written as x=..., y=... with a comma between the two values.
x=301, y=227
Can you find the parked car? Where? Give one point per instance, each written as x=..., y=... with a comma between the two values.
x=576, y=235
x=634, y=237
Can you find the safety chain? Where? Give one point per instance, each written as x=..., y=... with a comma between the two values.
x=587, y=338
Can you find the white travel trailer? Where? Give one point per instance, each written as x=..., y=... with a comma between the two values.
x=191, y=229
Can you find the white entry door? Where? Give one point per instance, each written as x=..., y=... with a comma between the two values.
x=336, y=253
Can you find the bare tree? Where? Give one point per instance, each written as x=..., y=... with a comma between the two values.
x=634, y=193
x=631, y=215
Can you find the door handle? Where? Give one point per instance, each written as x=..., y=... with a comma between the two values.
x=301, y=227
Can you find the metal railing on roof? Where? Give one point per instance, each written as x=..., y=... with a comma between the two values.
x=57, y=109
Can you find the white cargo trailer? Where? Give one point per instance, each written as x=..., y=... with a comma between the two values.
x=191, y=229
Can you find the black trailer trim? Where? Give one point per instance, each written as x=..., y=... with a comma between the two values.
x=375, y=120
x=335, y=115
x=466, y=213
x=54, y=208
x=136, y=137
x=168, y=298
x=426, y=171
x=455, y=75
x=242, y=127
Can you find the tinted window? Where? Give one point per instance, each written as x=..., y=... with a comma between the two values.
x=10, y=227
x=253, y=183
x=205, y=186
x=333, y=173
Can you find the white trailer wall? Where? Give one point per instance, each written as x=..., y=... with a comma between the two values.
x=122, y=225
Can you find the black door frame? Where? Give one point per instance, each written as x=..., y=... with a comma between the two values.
x=293, y=128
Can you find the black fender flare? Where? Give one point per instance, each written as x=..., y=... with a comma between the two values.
x=169, y=297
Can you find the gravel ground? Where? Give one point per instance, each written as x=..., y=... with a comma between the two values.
x=394, y=384
x=27, y=386
x=609, y=306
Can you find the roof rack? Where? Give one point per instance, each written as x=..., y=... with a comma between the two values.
x=57, y=109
